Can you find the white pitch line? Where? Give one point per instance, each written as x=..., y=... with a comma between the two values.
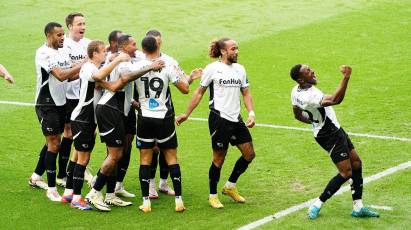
x=387, y=208
x=16, y=103
x=310, y=130
x=306, y=204
x=405, y=139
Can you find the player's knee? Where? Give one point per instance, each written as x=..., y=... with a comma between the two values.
x=108, y=166
x=218, y=162
x=53, y=145
x=346, y=173
x=83, y=160
x=67, y=132
x=250, y=156
x=356, y=164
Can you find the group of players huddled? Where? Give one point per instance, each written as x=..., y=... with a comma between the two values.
x=83, y=85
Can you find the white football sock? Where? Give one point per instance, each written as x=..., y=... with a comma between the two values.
x=76, y=198
x=357, y=205
x=163, y=182
x=50, y=189
x=318, y=203
x=35, y=176
x=67, y=192
x=212, y=196
x=146, y=201
x=229, y=184
x=119, y=185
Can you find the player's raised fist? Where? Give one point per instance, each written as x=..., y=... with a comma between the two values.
x=345, y=70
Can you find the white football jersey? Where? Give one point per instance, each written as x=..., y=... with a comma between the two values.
x=49, y=90
x=84, y=111
x=139, y=56
x=324, y=121
x=77, y=51
x=225, y=83
x=120, y=100
x=153, y=91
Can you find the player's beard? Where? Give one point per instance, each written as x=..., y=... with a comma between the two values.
x=232, y=59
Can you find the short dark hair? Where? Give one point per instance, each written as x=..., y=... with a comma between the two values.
x=112, y=37
x=154, y=33
x=149, y=44
x=50, y=26
x=216, y=46
x=295, y=72
x=71, y=16
x=123, y=40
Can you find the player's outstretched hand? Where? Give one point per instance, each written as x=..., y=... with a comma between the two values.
x=250, y=121
x=9, y=78
x=346, y=70
x=196, y=74
x=157, y=65
x=180, y=119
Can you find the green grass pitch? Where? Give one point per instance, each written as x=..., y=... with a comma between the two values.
x=290, y=168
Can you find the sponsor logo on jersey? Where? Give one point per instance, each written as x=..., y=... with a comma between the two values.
x=230, y=82
x=64, y=64
x=77, y=57
x=152, y=103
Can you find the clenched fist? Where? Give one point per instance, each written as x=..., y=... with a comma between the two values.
x=345, y=70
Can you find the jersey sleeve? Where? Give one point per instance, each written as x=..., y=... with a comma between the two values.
x=87, y=72
x=314, y=99
x=307, y=100
x=174, y=73
x=47, y=61
x=244, y=81
x=293, y=98
x=206, y=78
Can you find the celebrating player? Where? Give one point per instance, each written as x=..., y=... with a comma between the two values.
x=110, y=112
x=155, y=123
x=53, y=69
x=158, y=155
x=226, y=80
x=311, y=106
x=75, y=45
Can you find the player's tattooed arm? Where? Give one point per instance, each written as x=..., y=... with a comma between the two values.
x=112, y=86
x=299, y=115
x=182, y=85
x=133, y=75
x=338, y=96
